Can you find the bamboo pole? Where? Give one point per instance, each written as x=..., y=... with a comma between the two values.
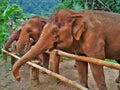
x=64, y=79
x=90, y=60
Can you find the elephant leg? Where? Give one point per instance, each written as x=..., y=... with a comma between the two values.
x=45, y=60
x=97, y=50
x=82, y=68
x=13, y=60
x=118, y=78
x=98, y=74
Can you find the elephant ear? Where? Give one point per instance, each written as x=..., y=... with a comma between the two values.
x=77, y=27
x=43, y=22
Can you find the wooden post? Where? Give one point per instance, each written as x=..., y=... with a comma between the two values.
x=34, y=74
x=4, y=56
x=54, y=61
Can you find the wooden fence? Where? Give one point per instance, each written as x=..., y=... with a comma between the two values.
x=54, y=66
x=36, y=78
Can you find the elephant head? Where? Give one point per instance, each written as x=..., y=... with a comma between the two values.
x=32, y=29
x=13, y=37
x=61, y=31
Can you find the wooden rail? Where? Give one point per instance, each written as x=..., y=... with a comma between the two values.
x=64, y=79
x=54, y=61
x=90, y=60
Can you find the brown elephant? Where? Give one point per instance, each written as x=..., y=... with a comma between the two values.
x=88, y=32
x=26, y=36
x=32, y=31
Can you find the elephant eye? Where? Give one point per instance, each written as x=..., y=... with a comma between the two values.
x=29, y=30
x=54, y=31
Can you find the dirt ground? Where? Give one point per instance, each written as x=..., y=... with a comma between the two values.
x=7, y=81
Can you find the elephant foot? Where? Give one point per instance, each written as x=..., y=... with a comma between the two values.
x=117, y=80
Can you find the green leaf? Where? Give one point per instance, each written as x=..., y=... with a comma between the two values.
x=1, y=16
x=9, y=10
x=77, y=7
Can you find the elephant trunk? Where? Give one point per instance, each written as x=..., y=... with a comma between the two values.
x=21, y=44
x=33, y=52
x=12, y=38
x=20, y=49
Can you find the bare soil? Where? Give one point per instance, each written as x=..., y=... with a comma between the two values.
x=67, y=69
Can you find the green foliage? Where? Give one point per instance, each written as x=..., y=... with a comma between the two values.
x=110, y=60
x=17, y=16
x=38, y=7
x=65, y=58
x=11, y=11
x=107, y=5
x=72, y=4
x=3, y=5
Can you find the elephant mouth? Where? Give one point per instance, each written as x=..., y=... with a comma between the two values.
x=55, y=45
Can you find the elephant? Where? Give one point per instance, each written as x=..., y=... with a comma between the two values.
x=32, y=31
x=92, y=33
x=26, y=36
